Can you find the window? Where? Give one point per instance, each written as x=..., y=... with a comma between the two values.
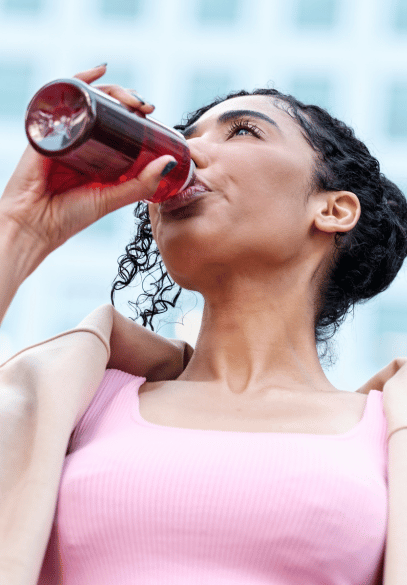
x=218, y=11
x=120, y=8
x=315, y=91
x=399, y=15
x=316, y=13
x=397, y=112
x=15, y=81
x=206, y=86
x=19, y=6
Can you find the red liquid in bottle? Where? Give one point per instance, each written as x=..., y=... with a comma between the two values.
x=155, y=143
x=91, y=136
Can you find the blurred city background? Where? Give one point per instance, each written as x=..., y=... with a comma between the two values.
x=349, y=56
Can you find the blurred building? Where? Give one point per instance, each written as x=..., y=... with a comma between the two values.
x=347, y=55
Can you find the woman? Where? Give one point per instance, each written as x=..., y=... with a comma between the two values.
x=288, y=224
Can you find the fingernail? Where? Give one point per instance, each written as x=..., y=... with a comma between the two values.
x=137, y=96
x=140, y=98
x=168, y=167
x=102, y=65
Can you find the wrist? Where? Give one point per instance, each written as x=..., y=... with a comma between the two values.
x=20, y=254
x=20, y=251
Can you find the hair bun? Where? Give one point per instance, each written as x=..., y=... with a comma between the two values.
x=392, y=203
x=395, y=203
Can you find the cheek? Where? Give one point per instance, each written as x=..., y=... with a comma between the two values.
x=270, y=212
x=271, y=172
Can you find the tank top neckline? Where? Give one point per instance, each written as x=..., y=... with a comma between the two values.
x=139, y=381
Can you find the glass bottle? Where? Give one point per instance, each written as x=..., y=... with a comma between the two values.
x=92, y=133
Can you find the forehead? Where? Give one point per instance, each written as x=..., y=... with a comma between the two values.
x=260, y=103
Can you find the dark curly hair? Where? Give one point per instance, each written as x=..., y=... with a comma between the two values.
x=366, y=259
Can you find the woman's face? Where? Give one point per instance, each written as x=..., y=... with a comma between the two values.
x=257, y=168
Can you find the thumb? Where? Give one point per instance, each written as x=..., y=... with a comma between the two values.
x=141, y=187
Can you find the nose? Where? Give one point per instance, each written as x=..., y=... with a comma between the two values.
x=199, y=152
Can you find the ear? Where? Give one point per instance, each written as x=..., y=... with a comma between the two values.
x=338, y=211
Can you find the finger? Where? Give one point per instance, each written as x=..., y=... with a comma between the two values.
x=92, y=74
x=144, y=105
x=399, y=374
x=378, y=381
x=140, y=188
x=129, y=98
x=374, y=383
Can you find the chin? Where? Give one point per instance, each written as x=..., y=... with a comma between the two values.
x=184, y=278
x=191, y=255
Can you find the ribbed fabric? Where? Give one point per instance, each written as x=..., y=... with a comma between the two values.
x=145, y=504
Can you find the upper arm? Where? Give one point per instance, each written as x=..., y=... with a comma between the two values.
x=43, y=393
x=30, y=467
x=141, y=352
x=17, y=424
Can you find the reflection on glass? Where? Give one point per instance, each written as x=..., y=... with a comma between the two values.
x=57, y=117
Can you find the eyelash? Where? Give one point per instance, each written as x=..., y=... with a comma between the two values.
x=245, y=125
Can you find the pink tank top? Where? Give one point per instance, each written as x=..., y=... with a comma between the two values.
x=145, y=504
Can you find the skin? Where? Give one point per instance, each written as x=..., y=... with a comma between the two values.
x=256, y=247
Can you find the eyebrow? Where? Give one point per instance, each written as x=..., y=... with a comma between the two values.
x=232, y=115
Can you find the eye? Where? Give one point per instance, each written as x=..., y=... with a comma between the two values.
x=242, y=128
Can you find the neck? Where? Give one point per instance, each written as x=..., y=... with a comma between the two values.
x=256, y=338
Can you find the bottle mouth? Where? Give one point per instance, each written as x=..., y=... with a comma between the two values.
x=189, y=180
x=191, y=176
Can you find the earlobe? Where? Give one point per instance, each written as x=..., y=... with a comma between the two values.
x=338, y=212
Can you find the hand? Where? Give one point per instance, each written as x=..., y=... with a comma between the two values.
x=392, y=381
x=30, y=199
x=395, y=398
x=377, y=381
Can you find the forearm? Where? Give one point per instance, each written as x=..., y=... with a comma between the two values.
x=20, y=254
x=395, y=564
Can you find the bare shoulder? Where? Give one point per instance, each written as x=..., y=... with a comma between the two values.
x=351, y=398
x=351, y=404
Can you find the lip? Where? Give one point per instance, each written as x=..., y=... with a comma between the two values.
x=184, y=198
